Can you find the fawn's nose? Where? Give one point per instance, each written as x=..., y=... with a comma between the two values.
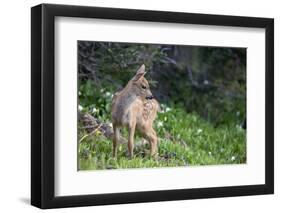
x=149, y=97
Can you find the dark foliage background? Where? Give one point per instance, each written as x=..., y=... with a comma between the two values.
x=207, y=80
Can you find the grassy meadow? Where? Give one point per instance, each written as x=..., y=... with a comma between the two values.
x=184, y=139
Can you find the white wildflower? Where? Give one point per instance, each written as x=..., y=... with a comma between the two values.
x=168, y=109
x=160, y=124
x=210, y=153
x=233, y=158
x=107, y=94
x=80, y=107
x=110, y=124
x=94, y=110
x=199, y=131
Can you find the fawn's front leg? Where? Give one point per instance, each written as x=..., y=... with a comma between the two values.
x=131, y=140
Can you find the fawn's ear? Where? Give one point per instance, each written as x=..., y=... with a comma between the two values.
x=140, y=73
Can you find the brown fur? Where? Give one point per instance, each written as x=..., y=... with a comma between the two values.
x=135, y=108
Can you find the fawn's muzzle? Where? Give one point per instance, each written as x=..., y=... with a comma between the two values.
x=149, y=97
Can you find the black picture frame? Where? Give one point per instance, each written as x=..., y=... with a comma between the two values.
x=43, y=102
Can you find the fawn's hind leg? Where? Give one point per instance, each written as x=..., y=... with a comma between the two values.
x=152, y=137
x=116, y=132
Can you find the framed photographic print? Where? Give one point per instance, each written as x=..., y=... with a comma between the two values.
x=140, y=106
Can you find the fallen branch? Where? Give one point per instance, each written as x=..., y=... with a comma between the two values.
x=93, y=132
x=90, y=125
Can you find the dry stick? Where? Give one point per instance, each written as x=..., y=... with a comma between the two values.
x=87, y=127
x=93, y=132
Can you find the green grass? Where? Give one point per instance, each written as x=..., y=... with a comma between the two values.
x=184, y=140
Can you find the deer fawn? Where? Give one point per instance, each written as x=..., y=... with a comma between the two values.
x=135, y=108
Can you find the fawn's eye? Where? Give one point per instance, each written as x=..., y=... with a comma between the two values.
x=142, y=86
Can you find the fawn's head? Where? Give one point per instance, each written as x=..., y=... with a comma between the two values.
x=140, y=85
